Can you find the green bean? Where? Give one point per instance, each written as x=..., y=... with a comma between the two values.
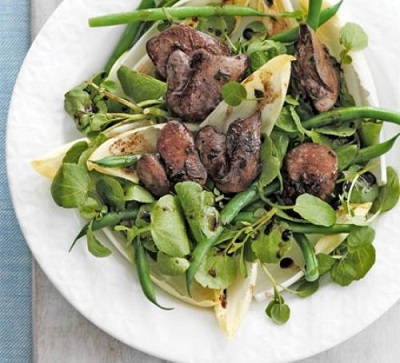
x=311, y=272
x=339, y=115
x=290, y=35
x=118, y=161
x=143, y=271
x=314, y=229
x=314, y=11
x=374, y=151
x=173, y=12
x=299, y=227
x=109, y=219
x=228, y=213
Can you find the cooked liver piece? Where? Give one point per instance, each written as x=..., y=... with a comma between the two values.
x=152, y=175
x=184, y=38
x=212, y=150
x=309, y=168
x=234, y=160
x=176, y=147
x=195, y=82
x=316, y=73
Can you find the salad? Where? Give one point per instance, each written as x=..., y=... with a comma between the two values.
x=228, y=155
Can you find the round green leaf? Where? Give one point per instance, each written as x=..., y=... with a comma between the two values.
x=217, y=271
x=168, y=227
x=315, y=210
x=233, y=93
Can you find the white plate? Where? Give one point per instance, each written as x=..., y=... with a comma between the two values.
x=106, y=291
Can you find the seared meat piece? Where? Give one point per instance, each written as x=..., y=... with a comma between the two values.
x=243, y=142
x=176, y=147
x=195, y=82
x=152, y=174
x=184, y=38
x=234, y=160
x=212, y=150
x=309, y=168
x=316, y=73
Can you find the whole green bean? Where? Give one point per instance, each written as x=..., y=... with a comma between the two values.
x=314, y=11
x=143, y=271
x=314, y=229
x=311, y=272
x=339, y=115
x=374, y=151
x=173, y=12
x=290, y=35
x=299, y=227
x=118, y=161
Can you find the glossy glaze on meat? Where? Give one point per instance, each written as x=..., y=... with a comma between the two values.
x=177, y=150
x=185, y=39
x=152, y=175
x=195, y=82
x=309, y=168
x=315, y=72
x=232, y=161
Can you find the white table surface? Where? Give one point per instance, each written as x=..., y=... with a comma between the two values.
x=62, y=335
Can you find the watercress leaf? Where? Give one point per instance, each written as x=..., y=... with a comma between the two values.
x=138, y=193
x=270, y=165
x=90, y=208
x=70, y=186
x=233, y=93
x=94, y=245
x=77, y=101
x=325, y=263
x=353, y=37
x=168, y=227
x=74, y=153
x=315, y=210
x=307, y=288
x=280, y=141
x=199, y=210
x=217, y=26
x=318, y=138
x=112, y=193
x=269, y=307
x=270, y=248
x=345, y=155
x=98, y=121
x=258, y=59
x=279, y=313
x=261, y=51
x=388, y=193
x=364, y=189
x=171, y=265
x=340, y=131
x=217, y=271
x=360, y=235
x=285, y=121
x=354, y=265
x=109, y=85
x=140, y=86
x=297, y=120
